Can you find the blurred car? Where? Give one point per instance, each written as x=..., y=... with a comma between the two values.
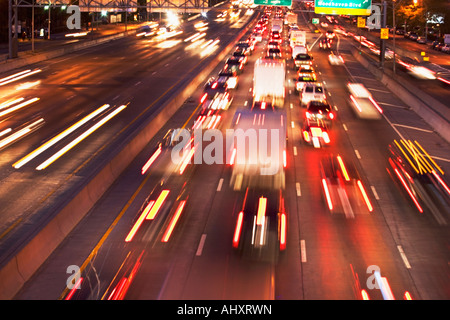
x=261, y=225
x=257, y=36
x=246, y=47
x=421, y=40
x=304, y=77
x=320, y=111
x=274, y=53
x=276, y=37
x=325, y=44
x=413, y=36
x=446, y=48
x=436, y=45
x=207, y=119
x=230, y=77
x=343, y=189
x=216, y=95
x=362, y=102
x=330, y=34
x=335, y=59
x=241, y=55
x=312, y=92
x=303, y=61
x=235, y=64
x=273, y=44
x=315, y=132
x=421, y=179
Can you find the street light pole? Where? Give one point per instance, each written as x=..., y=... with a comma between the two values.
x=383, y=41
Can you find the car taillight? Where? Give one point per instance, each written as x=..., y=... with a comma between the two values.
x=331, y=115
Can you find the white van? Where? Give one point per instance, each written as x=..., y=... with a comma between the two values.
x=297, y=50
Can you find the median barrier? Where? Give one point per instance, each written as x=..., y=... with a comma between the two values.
x=27, y=259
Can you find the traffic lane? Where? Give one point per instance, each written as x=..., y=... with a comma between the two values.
x=393, y=204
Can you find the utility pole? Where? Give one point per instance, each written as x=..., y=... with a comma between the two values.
x=383, y=41
x=12, y=39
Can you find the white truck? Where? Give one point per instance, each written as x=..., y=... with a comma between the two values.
x=297, y=38
x=257, y=149
x=268, y=82
x=277, y=25
x=290, y=19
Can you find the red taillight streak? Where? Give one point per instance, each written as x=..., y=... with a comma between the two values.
x=203, y=97
x=356, y=103
x=173, y=222
x=151, y=160
x=407, y=296
x=284, y=159
x=327, y=194
x=376, y=105
x=283, y=232
x=237, y=231
x=118, y=289
x=75, y=287
x=364, y=194
x=441, y=181
x=408, y=190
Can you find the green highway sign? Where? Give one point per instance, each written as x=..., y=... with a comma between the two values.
x=347, y=7
x=315, y=21
x=286, y=3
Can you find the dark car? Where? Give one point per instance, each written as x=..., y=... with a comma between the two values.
x=303, y=61
x=307, y=76
x=274, y=53
x=325, y=44
x=235, y=64
x=320, y=110
x=245, y=46
x=240, y=54
x=260, y=232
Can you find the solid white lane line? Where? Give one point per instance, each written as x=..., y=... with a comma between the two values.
x=303, y=250
x=409, y=127
x=219, y=186
x=297, y=188
x=200, y=245
x=375, y=193
x=403, y=255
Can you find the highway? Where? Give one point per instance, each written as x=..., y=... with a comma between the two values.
x=67, y=94
x=329, y=255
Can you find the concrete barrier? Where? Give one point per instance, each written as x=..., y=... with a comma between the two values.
x=27, y=259
x=429, y=109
